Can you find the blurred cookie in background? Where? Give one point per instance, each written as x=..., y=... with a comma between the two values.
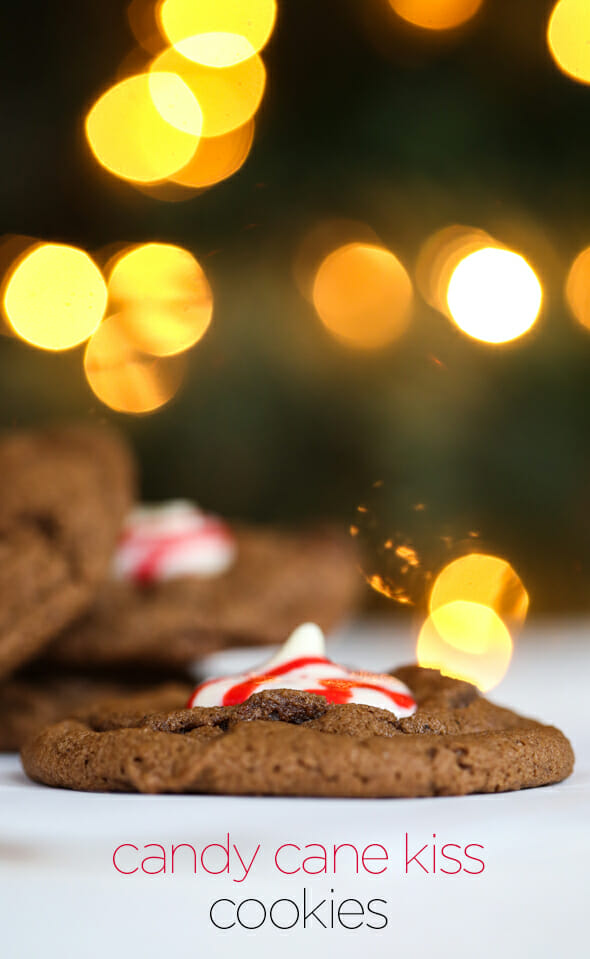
x=185, y=583
x=64, y=493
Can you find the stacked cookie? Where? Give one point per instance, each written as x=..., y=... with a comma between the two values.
x=102, y=600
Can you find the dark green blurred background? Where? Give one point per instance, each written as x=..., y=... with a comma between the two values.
x=368, y=119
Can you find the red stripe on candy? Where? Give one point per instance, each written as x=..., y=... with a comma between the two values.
x=241, y=691
x=335, y=690
x=157, y=546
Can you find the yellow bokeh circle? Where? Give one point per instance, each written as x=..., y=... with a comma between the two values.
x=568, y=36
x=227, y=98
x=162, y=297
x=217, y=33
x=484, y=579
x=55, y=296
x=468, y=641
x=146, y=127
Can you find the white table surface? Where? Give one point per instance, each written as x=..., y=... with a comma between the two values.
x=61, y=896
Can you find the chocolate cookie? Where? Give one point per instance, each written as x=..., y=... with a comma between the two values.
x=31, y=700
x=277, y=580
x=63, y=495
x=294, y=743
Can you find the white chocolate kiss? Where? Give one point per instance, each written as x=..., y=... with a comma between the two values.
x=170, y=540
x=301, y=664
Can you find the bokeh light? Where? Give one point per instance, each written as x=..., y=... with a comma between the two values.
x=55, y=296
x=494, y=295
x=227, y=97
x=406, y=536
x=483, y=579
x=363, y=295
x=161, y=297
x=568, y=36
x=439, y=256
x=436, y=14
x=216, y=158
x=146, y=127
x=325, y=237
x=13, y=247
x=577, y=289
x=123, y=378
x=217, y=33
x=467, y=641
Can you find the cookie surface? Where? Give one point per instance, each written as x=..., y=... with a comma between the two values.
x=292, y=743
x=29, y=700
x=63, y=494
x=277, y=580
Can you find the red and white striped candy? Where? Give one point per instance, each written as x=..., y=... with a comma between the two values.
x=301, y=664
x=171, y=540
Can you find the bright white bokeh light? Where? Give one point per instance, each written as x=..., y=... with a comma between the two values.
x=494, y=295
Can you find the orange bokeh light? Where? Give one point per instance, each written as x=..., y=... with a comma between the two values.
x=325, y=237
x=436, y=14
x=123, y=378
x=577, y=289
x=568, y=36
x=216, y=158
x=363, y=295
x=484, y=579
x=161, y=296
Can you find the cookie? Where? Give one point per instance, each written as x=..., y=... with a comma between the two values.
x=31, y=700
x=289, y=742
x=275, y=580
x=63, y=496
